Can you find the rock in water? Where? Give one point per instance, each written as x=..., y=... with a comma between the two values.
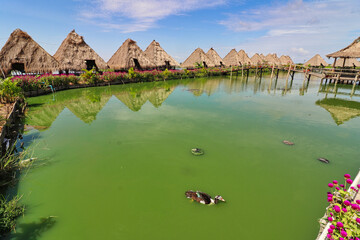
x=288, y=143
x=324, y=160
x=197, y=151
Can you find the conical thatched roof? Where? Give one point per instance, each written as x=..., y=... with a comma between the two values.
x=232, y=58
x=127, y=55
x=286, y=60
x=256, y=59
x=214, y=56
x=341, y=110
x=198, y=56
x=157, y=55
x=262, y=56
x=349, y=62
x=74, y=51
x=272, y=59
x=351, y=51
x=316, y=61
x=244, y=58
x=21, y=48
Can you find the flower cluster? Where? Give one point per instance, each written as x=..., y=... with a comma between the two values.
x=343, y=213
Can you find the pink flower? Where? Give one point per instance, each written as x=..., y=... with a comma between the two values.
x=329, y=199
x=337, y=208
x=347, y=203
x=349, y=181
x=337, y=188
x=332, y=226
x=328, y=236
x=331, y=214
x=344, y=210
x=343, y=233
x=358, y=201
x=330, y=230
x=358, y=186
x=358, y=220
x=330, y=185
x=354, y=206
x=330, y=195
x=342, y=185
x=340, y=224
x=347, y=176
x=335, y=182
x=330, y=219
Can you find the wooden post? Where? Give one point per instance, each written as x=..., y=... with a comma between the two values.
x=336, y=81
x=231, y=73
x=305, y=77
x=354, y=84
x=271, y=77
x=242, y=71
x=287, y=78
x=321, y=82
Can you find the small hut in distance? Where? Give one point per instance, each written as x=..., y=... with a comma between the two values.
x=129, y=55
x=214, y=56
x=256, y=59
x=158, y=57
x=286, y=60
x=232, y=58
x=75, y=54
x=198, y=57
x=316, y=61
x=22, y=54
x=244, y=58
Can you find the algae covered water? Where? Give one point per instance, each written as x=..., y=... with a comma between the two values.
x=114, y=162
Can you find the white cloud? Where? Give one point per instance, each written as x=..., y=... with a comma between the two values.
x=140, y=15
x=319, y=26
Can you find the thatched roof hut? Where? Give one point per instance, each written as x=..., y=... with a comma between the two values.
x=256, y=59
x=158, y=57
x=22, y=53
x=349, y=62
x=244, y=58
x=351, y=51
x=214, y=56
x=286, y=60
x=75, y=54
x=272, y=59
x=316, y=61
x=232, y=58
x=129, y=55
x=198, y=56
x=262, y=56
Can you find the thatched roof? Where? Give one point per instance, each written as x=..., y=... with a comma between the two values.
x=126, y=56
x=21, y=48
x=232, y=58
x=262, y=56
x=349, y=62
x=244, y=58
x=340, y=110
x=286, y=60
x=256, y=59
x=73, y=52
x=351, y=51
x=272, y=59
x=316, y=61
x=198, y=56
x=157, y=55
x=214, y=56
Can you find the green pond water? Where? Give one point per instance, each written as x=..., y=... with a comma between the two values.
x=114, y=162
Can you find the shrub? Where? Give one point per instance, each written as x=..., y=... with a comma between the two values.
x=9, y=211
x=343, y=212
x=90, y=76
x=9, y=90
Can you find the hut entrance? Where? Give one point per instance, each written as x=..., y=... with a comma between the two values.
x=167, y=64
x=18, y=67
x=137, y=64
x=205, y=65
x=90, y=64
x=221, y=64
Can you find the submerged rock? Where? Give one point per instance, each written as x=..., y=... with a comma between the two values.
x=197, y=151
x=324, y=160
x=288, y=142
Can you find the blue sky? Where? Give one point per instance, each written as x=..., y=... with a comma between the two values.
x=299, y=28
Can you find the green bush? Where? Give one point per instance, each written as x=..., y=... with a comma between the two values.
x=9, y=211
x=9, y=90
x=90, y=76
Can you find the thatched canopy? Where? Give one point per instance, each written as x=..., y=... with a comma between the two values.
x=262, y=56
x=244, y=58
x=349, y=62
x=129, y=55
x=316, y=61
x=214, y=56
x=351, y=51
x=75, y=54
x=21, y=49
x=256, y=59
x=158, y=57
x=272, y=59
x=232, y=58
x=198, y=56
x=340, y=110
x=286, y=60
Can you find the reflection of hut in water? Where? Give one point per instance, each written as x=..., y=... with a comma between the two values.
x=232, y=58
x=350, y=52
x=22, y=54
x=129, y=55
x=286, y=60
x=244, y=58
x=88, y=106
x=204, y=86
x=198, y=57
x=158, y=57
x=341, y=110
x=316, y=61
x=256, y=59
x=215, y=58
x=42, y=118
x=75, y=54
